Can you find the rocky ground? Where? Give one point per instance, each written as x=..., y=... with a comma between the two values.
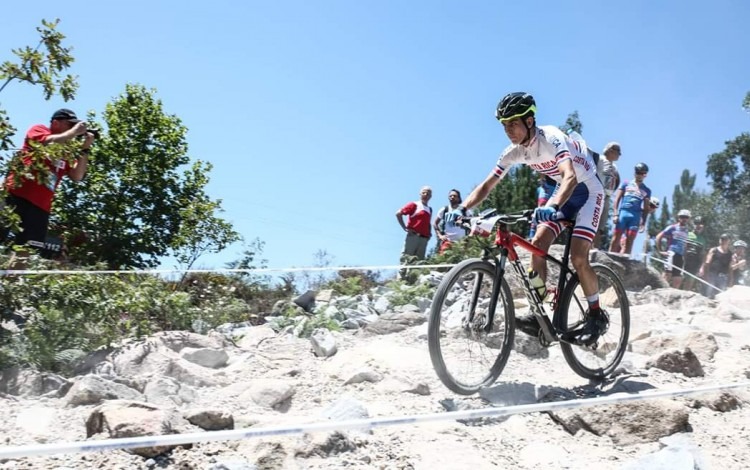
x=255, y=377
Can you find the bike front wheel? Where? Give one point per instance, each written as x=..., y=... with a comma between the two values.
x=602, y=358
x=464, y=354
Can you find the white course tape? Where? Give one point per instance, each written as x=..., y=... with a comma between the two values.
x=235, y=434
x=20, y=272
x=646, y=257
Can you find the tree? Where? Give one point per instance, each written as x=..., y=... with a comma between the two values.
x=201, y=230
x=313, y=279
x=515, y=193
x=656, y=225
x=43, y=65
x=251, y=259
x=729, y=172
x=136, y=202
x=684, y=195
x=572, y=123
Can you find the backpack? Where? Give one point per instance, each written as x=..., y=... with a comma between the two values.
x=596, y=157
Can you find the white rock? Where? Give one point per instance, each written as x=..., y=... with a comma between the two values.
x=323, y=343
x=206, y=357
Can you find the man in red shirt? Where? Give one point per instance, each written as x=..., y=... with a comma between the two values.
x=417, y=227
x=31, y=196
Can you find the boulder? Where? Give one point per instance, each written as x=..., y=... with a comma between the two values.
x=306, y=301
x=30, y=383
x=93, y=389
x=211, y=358
x=683, y=361
x=269, y=393
x=702, y=343
x=627, y=423
x=323, y=343
x=210, y=419
x=168, y=391
x=394, y=322
x=324, y=445
x=364, y=375
x=634, y=274
x=119, y=419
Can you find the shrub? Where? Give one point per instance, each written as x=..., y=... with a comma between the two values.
x=404, y=293
x=353, y=282
x=222, y=298
x=85, y=311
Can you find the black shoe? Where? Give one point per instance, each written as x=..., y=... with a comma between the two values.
x=528, y=324
x=595, y=324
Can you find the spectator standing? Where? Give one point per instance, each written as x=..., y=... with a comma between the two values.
x=676, y=236
x=446, y=230
x=695, y=251
x=718, y=267
x=631, y=207
x=610, y=176
x=31, y=195
x=417, y=227
x=739, y=263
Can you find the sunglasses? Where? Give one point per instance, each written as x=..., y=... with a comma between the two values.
x=641, y=173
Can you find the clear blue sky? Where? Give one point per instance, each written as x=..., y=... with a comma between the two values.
x=323, y=118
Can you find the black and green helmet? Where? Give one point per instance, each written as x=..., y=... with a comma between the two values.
x=515, y=105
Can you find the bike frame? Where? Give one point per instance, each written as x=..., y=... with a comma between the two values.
x=506, y=242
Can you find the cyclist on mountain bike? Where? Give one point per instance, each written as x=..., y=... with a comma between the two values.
x=579, y=195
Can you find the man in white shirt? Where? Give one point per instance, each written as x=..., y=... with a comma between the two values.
x=447, y=231
x=610, y=176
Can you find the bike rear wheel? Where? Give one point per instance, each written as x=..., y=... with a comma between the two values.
x=602, y=358
x=464, y=355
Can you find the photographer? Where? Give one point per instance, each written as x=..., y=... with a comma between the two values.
x=30, y=194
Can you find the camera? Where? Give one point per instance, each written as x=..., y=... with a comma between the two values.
x=90, y=130
x=94, y=131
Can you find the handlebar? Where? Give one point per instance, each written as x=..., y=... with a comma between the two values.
x=508, y=219
x=490, y=215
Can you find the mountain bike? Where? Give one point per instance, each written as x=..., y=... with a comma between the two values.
x=471, y=328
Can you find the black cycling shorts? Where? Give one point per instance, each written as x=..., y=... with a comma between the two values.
x=677, y=264
x=34, y=222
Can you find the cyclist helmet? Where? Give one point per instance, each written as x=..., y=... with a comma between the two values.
x=515, y=105
x=641, y=168
x=683, y=213
x=654, y=202
x=698, y=220
x=739, y=244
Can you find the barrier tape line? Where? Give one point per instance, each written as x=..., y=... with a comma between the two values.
x=204, y=271
x=22, y=272
x=647, y=257
x=368, y=423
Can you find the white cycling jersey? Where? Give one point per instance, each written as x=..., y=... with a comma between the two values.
x=547, y=149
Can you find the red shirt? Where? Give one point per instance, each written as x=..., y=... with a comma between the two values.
x=419, y=217
x=40, y=195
